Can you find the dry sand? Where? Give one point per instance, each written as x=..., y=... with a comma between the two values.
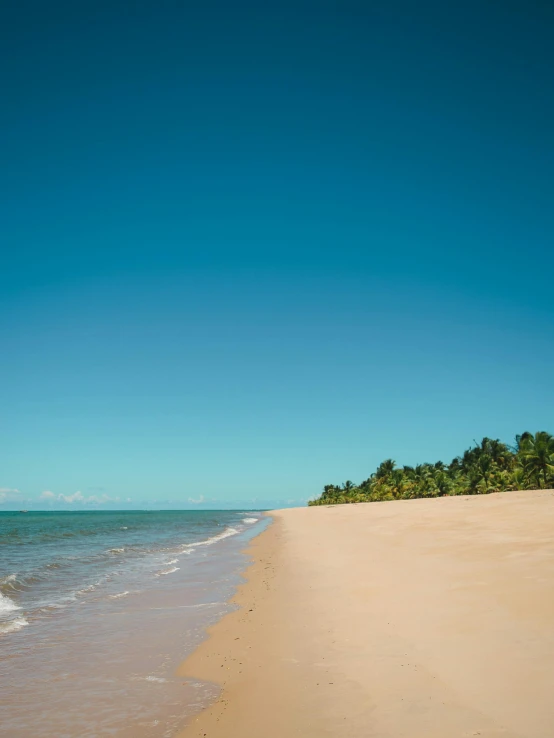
x=423, y=619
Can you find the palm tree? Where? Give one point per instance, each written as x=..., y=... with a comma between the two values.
x=329, y=491
x=443, y=482
x=469, y=458
x=521, y=439
x=348, y=486
x=397, y=481
x=499, y=453
x=519, y=477
x=488, y=474
x=537, y=455
x=385, y=469
x=455, y=465
x=488, y=466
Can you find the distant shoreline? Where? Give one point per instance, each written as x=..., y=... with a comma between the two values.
x=426, y=618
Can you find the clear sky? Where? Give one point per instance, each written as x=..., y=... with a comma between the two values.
x=248, y=249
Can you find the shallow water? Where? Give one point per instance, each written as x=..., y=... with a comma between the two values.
x=98, y=610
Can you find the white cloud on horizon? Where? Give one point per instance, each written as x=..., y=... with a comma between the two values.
x=98, y=499
x=70, y=499
x=198, y=501
x=9, y=494
x=78, y=498
x=12, y=498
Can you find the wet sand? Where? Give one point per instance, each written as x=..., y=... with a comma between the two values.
x=423, y=619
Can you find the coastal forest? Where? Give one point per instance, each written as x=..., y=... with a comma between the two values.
x=489, y=466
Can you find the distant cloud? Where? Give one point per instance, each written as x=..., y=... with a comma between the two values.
x=9, y=494
x=70, y=499
x=198, y=501
x=78, y=498
x=98, y=499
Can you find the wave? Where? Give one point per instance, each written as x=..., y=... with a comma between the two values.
x=173, y=561
x=15, y=583
x=22, y=582
x=119, y=595
x=201, y=604
x=59, y=605
x=163, y=572
x=214, y=539
x=115, y=550
x=9, y=583
x=249, y=521
x=89, y=588
x=7, y=605
x=12, y=625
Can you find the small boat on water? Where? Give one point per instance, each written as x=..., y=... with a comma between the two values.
x=23, y=511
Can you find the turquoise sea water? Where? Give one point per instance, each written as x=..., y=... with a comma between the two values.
x=97, y=609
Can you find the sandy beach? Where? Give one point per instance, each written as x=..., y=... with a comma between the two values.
x=422, y=618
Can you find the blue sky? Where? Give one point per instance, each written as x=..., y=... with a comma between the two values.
x=247, y=251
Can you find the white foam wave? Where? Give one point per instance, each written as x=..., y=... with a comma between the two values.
x=115, y=550
x=214, y=539
x=173, y=561
x=123, y=527
x=7, y=605
x=12, y=625
x=163, y=572
x=62, y=603
x=89, y=588
x=201, y=604
x=119, y=595
x=149, y=678
x=249, y=521
x=8, y=579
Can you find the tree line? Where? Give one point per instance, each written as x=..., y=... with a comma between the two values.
x=489, y=466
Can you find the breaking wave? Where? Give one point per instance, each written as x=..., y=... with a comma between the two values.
x=214, y=539
x=12, y=625
x=7, y=605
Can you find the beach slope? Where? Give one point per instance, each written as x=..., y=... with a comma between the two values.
x=422, y=618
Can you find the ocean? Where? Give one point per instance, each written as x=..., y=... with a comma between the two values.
x=98, y=609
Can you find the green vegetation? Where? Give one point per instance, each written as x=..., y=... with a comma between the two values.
x=490, y=466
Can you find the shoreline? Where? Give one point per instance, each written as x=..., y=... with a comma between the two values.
x=131, y=602
x=438, y=623
x=222, y=649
